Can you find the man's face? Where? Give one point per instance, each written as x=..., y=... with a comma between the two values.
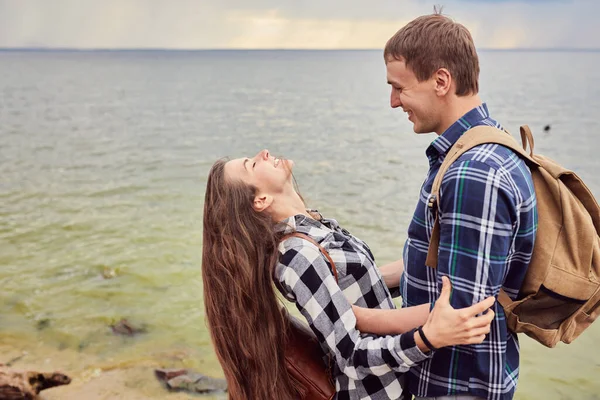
x=417, y=99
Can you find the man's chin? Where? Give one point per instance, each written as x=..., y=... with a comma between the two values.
x=421, y=130
x=417, y=129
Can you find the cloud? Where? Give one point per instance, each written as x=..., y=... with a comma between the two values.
x=193, y=24
x=111, y=24
x=272, y=30
x=531, y=24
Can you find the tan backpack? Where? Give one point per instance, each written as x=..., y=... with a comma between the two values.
x=560, y=296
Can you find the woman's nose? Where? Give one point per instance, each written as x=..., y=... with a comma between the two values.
x=262, y=155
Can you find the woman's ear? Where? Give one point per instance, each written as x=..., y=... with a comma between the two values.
x=443, y=81
x=262, y=202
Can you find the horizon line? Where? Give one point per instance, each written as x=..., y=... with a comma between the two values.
x=160, y=49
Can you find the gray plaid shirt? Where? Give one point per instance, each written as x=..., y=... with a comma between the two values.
x=366, y=366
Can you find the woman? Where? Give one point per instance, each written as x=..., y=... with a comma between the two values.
x=251, y=203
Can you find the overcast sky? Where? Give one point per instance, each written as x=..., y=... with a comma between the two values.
x=315, y=24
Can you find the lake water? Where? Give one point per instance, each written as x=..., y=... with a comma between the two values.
x=103, y=164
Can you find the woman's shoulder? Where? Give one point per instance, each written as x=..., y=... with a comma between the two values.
x=297, y=245
x=301, y=255
x=302, y=268
x=296, y=257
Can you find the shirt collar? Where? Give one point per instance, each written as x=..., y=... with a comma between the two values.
x=446, y=140
x=316, y=228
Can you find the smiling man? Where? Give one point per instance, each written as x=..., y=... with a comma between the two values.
x=487, y=208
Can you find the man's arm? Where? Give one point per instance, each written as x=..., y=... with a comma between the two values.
x=463, y=326
x=391, y=273
x=478, y=212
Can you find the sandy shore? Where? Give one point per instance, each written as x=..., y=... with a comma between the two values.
x=95, y=379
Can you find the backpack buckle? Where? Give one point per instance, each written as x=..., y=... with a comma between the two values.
x=432, y=201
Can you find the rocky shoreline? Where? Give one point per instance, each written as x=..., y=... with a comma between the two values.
x=80, y=376
x=26, y=385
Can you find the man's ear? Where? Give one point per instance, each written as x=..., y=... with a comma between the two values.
x=262, y=202
x=443, y=81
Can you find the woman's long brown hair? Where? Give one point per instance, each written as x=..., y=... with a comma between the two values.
x=245, y=319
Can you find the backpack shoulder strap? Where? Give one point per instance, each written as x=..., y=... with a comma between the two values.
x=321, y=248
x=473, y=137
x=482, y=135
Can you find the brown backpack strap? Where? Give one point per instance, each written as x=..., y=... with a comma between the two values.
x=474, y=137
x=321, y=248
x=527, y=138
x=471, y=138
x=503, y=299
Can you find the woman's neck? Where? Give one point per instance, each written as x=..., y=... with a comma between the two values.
x=287, y=205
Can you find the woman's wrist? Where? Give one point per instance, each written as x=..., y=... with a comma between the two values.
x=425, y=339
x=431, y=337
x=420, y=343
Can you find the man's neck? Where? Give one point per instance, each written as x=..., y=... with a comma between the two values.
x=455, y=109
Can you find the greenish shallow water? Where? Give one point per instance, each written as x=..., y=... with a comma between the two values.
x=103, y=163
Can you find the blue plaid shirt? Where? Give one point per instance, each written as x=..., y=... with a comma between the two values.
x=488, y=221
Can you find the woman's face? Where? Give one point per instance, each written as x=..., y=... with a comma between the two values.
x=270, y=175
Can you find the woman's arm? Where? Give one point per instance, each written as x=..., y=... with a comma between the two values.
x=390, y=322
x=391, y=273
x=447, y=326
x=306, y=276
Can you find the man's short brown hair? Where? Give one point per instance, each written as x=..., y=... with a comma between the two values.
x=431, y=42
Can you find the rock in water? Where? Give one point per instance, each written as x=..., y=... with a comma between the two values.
x=109, y=273
x=164, y=375
x=125, y=328
x=190, y=381
x=16, y=385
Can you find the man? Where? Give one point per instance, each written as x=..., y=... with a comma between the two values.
x=487, y=208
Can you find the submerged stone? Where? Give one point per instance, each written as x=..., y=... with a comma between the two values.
x=126, y=328
x=42, y=324
x=190, y=381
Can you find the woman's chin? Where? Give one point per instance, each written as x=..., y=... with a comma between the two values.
x=287, y=164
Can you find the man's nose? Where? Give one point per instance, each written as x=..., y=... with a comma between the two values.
x=395, y=100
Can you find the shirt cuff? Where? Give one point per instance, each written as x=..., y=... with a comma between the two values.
x=410, y=348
